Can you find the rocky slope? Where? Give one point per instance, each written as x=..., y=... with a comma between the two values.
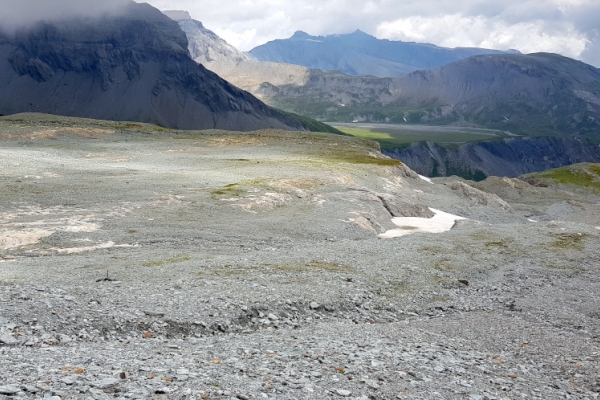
x=507, y=157
x=360, y=54
x=137, y=264
x=132, y=67
x=521, y=93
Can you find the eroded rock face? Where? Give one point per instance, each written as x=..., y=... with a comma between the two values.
x=477, y=196
x=135, y=66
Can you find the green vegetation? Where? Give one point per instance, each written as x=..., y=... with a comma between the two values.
x=239, y=188
x=569, y=241
x=312, y=266
x=561, y=268
x=401, y=136
x=444, y=264
x=231, y=190
x=586, y=175
x=365, y=159
x=172, y=260
x=311, y=124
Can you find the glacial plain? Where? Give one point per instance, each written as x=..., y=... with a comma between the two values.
x=139, y=262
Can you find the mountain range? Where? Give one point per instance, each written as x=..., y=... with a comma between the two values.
x=554, y=100
x=359, y=53
x=526, y=94
x=534, y=94
x=135, y=67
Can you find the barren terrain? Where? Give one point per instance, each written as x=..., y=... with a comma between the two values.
x=139, y=262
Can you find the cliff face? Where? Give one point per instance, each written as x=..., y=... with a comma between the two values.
x=510, y=157
x=132, y=67
x=215, y=54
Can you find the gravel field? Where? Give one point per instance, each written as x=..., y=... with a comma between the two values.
x=143, y=263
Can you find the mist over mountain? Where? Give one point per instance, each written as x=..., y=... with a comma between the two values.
x=23, y=14
x=131, y=66
x=360, y=54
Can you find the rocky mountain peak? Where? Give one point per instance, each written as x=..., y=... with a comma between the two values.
x=300, y=35
x=178, y=15
x=360, y=54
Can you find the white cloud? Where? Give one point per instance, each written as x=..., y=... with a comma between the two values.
x=568, y=27
x=15, y=14
x=458, y=31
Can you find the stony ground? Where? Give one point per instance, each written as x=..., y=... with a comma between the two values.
x=142, y=263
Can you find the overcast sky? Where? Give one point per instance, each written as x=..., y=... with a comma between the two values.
x=568, y=27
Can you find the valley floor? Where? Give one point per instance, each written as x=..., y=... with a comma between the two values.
x=138, y=263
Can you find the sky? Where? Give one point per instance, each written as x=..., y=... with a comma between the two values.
x=567, y=27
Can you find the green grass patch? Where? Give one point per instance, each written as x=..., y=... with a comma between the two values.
x=569, y=241
x=240, y=188
x=172, y=260
x=444, y=264
x=561, y=268
x=231, y=190
x=312, y=266
x=366, y=159
x=398, y=137
x=311, y=124
x=581, y=175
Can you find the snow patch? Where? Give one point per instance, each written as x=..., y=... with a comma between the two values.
x=440, y=222
x=426, y=179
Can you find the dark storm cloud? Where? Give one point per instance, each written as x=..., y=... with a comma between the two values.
x=15, y=14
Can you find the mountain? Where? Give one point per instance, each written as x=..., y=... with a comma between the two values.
x=529, y=94
x=205, y=43
x=536, y=94
x=134, y=66
x=215, y=54
x=360, y=54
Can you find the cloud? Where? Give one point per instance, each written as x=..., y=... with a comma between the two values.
x=568, y=27
x=459, y=31
x=22, y=13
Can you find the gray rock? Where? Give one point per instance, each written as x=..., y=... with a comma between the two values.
x=9, y=390
x=372, y=384
x=98, y=394
x=105, y=383
x=343, y=392
x=314, y=305
x=8, y=339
